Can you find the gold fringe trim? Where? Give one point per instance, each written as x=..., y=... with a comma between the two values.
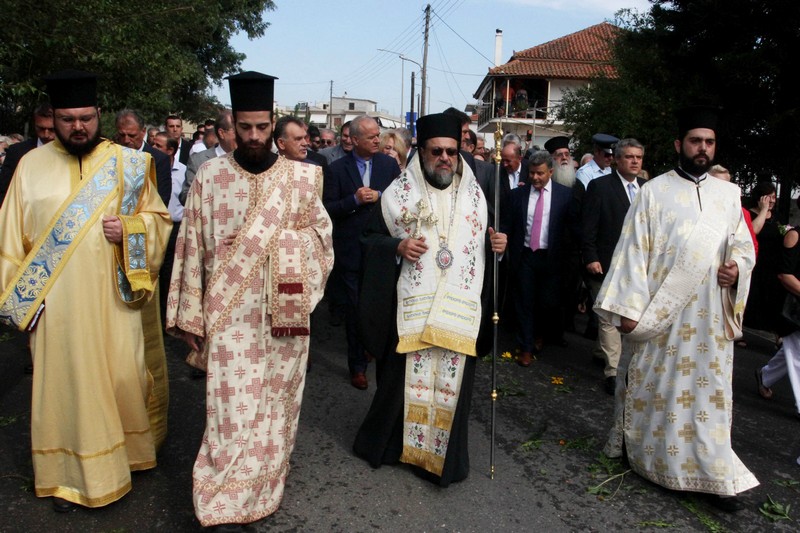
x=449, y=340
x=418, y=414
x=73, y=453
x=444, y=419
x=76, y=497
x=411, y=343
x=423, y=459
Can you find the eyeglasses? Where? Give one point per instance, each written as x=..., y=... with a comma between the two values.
x=438, y=151
x=326, y=142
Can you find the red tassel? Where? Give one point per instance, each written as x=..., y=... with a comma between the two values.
x=290, y=288
x=290, y=332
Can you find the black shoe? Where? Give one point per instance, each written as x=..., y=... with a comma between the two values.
x=728, y=504
x=610, y=385
x=60, y=505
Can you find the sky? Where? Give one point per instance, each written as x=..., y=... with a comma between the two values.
x=310, y=43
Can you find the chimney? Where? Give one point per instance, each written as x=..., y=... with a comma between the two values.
x=498, y=47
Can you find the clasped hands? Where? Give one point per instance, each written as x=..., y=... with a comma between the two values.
x=411, y=249
x=365, y=195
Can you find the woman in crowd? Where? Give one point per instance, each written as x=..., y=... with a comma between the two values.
x=392, y=144
x=787, y=359
x=766, y=293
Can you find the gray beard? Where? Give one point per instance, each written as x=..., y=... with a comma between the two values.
x=564, y=175
x=439, y=180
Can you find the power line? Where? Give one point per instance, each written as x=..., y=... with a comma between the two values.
x=460, y=37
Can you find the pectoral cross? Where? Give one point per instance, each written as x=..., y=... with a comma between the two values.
x=423, y=215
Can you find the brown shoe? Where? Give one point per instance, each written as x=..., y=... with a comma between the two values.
x=359, y=381
x=765, y=392
x=524, y=359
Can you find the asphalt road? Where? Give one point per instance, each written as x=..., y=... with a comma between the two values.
x=549, y=473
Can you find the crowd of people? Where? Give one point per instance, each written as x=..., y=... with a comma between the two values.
x=229, y=242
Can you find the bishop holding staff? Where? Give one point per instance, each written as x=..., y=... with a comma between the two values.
x=422, y=299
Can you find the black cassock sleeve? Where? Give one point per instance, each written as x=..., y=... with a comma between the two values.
x=377, y=302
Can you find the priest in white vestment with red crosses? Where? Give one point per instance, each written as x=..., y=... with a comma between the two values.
x=251, y=261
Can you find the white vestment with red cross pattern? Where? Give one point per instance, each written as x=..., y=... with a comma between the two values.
x=252, y=258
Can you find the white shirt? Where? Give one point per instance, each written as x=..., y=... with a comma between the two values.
x=178, y=177
x=197, y=147
x=590, y=171
x=534, y=197
x=513, y=178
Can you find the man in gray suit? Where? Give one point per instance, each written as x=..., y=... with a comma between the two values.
x=227, y=143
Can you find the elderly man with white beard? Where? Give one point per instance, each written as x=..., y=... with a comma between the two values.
x=564, y=174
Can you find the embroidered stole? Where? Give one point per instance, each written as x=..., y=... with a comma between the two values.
x=263, y=238
x=691, y=266
x=23, y=299
x=438, y=308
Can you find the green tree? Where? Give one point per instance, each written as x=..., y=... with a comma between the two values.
x=158, y=58
x=738, y=54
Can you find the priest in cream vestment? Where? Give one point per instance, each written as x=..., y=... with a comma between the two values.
x=677, y=287
x=251, y=261
x=82, y=236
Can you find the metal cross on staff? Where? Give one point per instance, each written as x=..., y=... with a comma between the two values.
x=423, y=215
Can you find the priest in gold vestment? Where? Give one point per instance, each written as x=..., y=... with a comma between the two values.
x=676, y=288
x=82, y=236
x=251, y=261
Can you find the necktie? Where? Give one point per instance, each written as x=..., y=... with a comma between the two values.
x=536, y=227
x=631, y=191
x=365, y=178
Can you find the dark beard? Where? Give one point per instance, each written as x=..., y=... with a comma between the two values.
x=252, y=154
x=694, y=168
x=80, y=150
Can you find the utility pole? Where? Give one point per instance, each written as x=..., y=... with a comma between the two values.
x=425, y=60
x=411, y=123
x=330, y=109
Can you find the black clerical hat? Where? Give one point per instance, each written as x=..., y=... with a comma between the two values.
x=697, y=116
x=252, y=91
x=556, y=143
x=438, y=125
x=70, y=89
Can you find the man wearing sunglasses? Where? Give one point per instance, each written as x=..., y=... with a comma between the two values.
x=423, y=295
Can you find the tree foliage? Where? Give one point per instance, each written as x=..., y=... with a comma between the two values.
x=738, y=54
x=158, y=58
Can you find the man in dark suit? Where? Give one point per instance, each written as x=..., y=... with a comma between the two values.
x=43, y=127
x=540, y=217
x=352, y=188
x=605, y=205
x=174, y=128
x=130, y=132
